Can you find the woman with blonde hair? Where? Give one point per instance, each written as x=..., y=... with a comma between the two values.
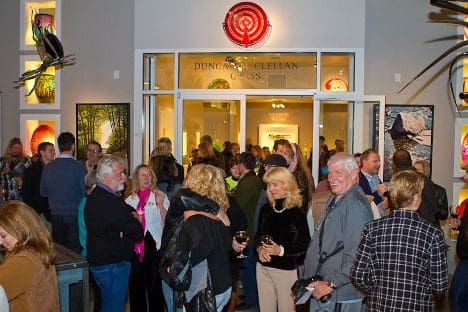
x=282, y=237
x=27, y=273
x=150, y=204
x=195, y=237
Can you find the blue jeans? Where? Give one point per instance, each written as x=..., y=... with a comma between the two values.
x=169, y=297
x=222, y=299
x=458, y=293
x=248, y=276
x=112, y=280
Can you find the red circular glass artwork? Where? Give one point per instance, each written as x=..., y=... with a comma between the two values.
x=43, y=133
x=246, y=24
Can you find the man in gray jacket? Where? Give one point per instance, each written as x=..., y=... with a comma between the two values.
x=332, y=250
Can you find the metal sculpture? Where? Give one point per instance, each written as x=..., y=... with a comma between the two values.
x=454, y=7
x=48, y=46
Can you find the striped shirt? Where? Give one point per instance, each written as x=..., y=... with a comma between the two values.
x=401, y=261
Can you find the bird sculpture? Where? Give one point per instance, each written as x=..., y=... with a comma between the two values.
x=453, y=6
x=49, y=48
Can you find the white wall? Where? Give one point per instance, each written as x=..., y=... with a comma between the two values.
x=400, y=40
x=99, y=33
x=295, y=24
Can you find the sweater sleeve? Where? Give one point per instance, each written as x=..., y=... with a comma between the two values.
x=16, y=276
x=199, y=246
x=132, y=227
x=298, y=245
x=438, y=263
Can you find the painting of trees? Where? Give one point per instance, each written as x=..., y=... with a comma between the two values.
x=107, y=124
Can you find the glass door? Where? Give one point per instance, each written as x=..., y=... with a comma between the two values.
x=348, y=123
x=219, y=116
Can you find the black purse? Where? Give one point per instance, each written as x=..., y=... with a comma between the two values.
x=204, y=301
x=174, y=266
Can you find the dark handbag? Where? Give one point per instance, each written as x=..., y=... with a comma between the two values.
x=300, y=292
x=175, y=267
x=204, y=301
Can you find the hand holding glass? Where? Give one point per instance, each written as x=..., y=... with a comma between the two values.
x=241, y=237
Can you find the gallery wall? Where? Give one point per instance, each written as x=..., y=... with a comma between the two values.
x=400, y=40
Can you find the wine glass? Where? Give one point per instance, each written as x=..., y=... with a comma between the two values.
x=241, y=237
x=454, y=223
x=453, y=212
x=267, y=240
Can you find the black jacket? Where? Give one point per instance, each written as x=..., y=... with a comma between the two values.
x=31, y=189
x=112, y=229
x=288, y=229
x=185, y=244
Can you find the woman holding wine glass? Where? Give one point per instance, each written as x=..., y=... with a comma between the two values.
x=282, y=237
x=151, y=206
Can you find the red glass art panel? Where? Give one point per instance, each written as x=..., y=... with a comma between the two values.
x=246, y=24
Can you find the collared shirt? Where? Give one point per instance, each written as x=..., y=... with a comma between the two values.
x=107, y=188
x=400, y=262
x=373, y=180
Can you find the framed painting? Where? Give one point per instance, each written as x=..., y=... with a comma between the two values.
x=408, y=127
x=106, y=123
x=38, y=128
x=268, y=133
x=460, y=193
x=47, y=92
x=460, y=158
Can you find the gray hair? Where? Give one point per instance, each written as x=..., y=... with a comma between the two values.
x=104, y=166
x=344, y=159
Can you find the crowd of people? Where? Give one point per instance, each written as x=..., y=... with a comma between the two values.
x=173, y=240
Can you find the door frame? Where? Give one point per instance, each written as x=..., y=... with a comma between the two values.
x=350, y=97
x=182, y=96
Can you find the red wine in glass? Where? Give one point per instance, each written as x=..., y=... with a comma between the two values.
x=453, y=212
x=267, y=240
x=241, y=237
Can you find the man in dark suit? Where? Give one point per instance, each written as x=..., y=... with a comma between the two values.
x=369, y=179
x=32, y=180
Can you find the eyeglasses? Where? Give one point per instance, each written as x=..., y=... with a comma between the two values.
x=95, y=151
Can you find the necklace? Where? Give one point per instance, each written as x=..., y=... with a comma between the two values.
x=278, y=211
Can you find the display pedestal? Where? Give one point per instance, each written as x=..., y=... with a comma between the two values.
x=73, y=280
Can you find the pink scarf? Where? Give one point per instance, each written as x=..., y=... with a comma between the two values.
x=143, y=195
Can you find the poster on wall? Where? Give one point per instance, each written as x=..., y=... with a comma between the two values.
x=460, y=161
x=106, y=123
x=268, y=133
x=407, y=127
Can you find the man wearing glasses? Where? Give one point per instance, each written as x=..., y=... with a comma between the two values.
x=93, y=154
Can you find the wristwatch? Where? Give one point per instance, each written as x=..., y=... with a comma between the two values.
x=332, y=285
